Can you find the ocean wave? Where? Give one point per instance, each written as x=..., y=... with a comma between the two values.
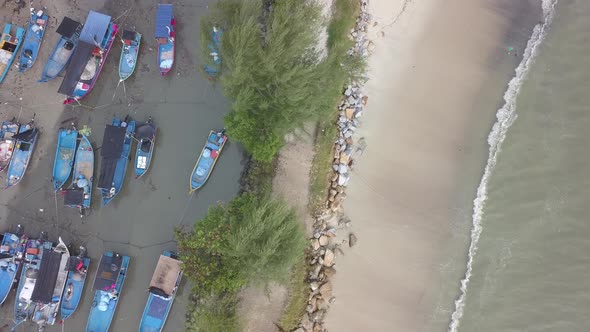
x=505, y=117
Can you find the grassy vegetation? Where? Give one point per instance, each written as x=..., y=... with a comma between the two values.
x=298, y=295
x=321, y=168
x=214, y=313
x=257, y=177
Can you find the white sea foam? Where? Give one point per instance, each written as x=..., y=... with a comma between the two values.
x=505, y=117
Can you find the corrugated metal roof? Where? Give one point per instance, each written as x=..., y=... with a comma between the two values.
x=163, y=19
x=77, y=64
x=68, y=27
x=95, y=27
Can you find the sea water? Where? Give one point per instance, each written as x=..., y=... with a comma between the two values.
x=528, y=263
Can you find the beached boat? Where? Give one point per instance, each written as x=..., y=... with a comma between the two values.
x=59, y=58
x=165, y=37
x=33, y=39
x=79, y=194
x=7, y=142
x=64, y=157
x=128, y=61
x=207, y=159
x=50, y=285
x=24, y=306
x=9, y=48
x=214, y=66
x=107, y=287
x=96, y=39
x=162, y=291
x=26, y=140
x=146, y=137
x=77, y=272
x=11, y=257
x=116, y=146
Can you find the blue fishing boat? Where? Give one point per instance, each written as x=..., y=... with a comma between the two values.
x=165, y=37
x=50, y=285
x=33, y=39
x=79, y=194
x=64, y=157
x=7, y=142
x=128, y=61
x=162, y=291
x=214, y=66
x=59, y=58
x=107, y=287
x=146, y=137
x=116, y=146
x=77, y=272
x=11, y=256
x=9, y=48
x=26, y=140
x=24, y=306
x=207, y=159
x=96, y=39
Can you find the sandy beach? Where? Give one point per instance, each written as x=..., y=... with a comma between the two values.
x=437, y=76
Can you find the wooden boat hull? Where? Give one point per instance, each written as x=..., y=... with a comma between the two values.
x=46, y=313
x=32, y=42
x=100, y=321
x=84, y=87
x=67, y=140
x=59, y=59
x=7, y=143
x=23, y=308
x=206, y=162
x=158, y=307
x=145, y=150
x=109, y=194
x=74, y=290
x=129, y=54
x=9, y=47
x=21, y=157
x=14, y=245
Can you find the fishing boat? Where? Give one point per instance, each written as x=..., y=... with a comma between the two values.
x=96, y=39
x=128, y=61
x=7, y=142
x=116, y=147
x=26, y=140
x=64, y=157
x=212, y=69
x=207, y=159
x=33, y=39
x=24, y=306
x=79, y=194
x=9, y=48
x=165, y=37
x=146, y=137
x=11, y=254
x=162, y=291
x=62, y=52
x=77, y=272
x=50, y=285
x=107, y=287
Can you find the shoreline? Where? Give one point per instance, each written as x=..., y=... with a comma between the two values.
x=402, y=197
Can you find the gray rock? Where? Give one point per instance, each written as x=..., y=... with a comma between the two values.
x=343, y=169
x=315, y=244
x=328, y=258
x=314, y=286
x=332, y=300
x=315, y=273
x=352, y=239
x=326, y=290
x=352, y=101
x=306, y=322
x=323, y=240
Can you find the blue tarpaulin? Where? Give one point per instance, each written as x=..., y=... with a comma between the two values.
x=163, y=19
x=95, y=27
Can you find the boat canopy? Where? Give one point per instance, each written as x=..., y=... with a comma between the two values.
x=112, y=142
x=95, y=28
x=68, y=27
x=163, y=20
x=164, y=278
x=78, y=62
x=129, y=35
x=74, y=197
x=27, y=135
x=145, y=130
x=108, y=272
x=43, y=291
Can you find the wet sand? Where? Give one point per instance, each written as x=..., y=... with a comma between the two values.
x=436, y=78
x=141, y=220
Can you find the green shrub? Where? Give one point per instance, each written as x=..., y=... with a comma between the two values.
x=214, y=313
